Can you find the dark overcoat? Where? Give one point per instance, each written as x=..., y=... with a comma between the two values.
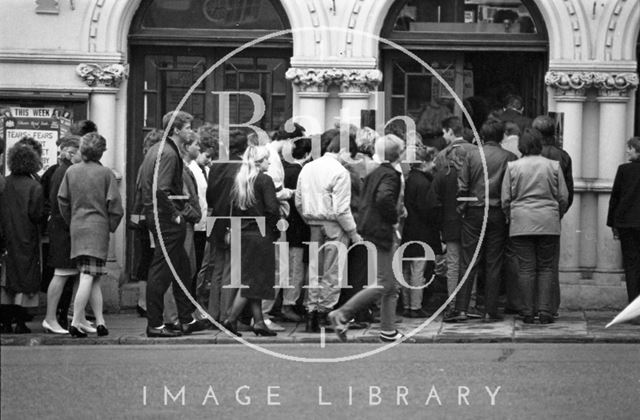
x=422, y=219
x=258, y=263
x=59, y=236
x=22, y=208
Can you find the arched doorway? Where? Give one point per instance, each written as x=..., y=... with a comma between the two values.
x=485, y=49
x=173, y=42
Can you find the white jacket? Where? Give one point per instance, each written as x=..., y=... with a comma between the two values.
x=323, y=193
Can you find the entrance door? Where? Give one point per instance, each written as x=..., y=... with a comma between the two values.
x=485, y=50
x=174, y=43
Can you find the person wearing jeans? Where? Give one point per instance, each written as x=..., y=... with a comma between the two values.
x=323, y=199
x=534, y=199
x=448, y=164
x=380, y=208
x=471, y=193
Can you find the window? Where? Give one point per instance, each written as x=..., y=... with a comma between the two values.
x=219, y=14
x=485, y=16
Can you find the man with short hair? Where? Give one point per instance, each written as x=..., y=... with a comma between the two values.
x=323, y=199
x=445, y=187
x=513, y=112
x=471, y=194
x=170, y=200
x=379, y=212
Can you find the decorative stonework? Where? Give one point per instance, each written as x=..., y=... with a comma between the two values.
x=93, y=25
x=575, y=26
x=47, y=7
x=110, y=75
x=349, y=80
x=611, y=28
x=607, y=83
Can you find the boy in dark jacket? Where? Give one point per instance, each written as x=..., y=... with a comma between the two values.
x=421, y=225
x=298, y=231
x=379, y=212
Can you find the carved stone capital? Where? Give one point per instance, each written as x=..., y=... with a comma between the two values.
x=110, y=75
x=349, y=80
x=308, y=80
x=359, y=81
x=608, y=84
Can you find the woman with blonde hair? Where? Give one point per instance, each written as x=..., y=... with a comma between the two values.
x=254, y=197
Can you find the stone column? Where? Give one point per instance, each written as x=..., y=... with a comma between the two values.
x=311, y=85
x=569, y=97
x=105, y=81
x=614, y=98
x=102, y=111
x=355, y=88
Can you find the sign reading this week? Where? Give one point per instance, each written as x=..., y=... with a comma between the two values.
x=42, y=124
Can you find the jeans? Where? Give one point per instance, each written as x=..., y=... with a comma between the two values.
x=296, y=277
x=160, y=276
x=325, y=297
x=203, y=278
x=413, y=276
x=493, y=246
x=630, y=242
x=511, y=270
x=388, y=293
x=536, y=255
x=220, y=298
x=454, y=250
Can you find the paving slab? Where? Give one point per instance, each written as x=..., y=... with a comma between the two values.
x=597, y=321
x=576, y=326
x=477, y=331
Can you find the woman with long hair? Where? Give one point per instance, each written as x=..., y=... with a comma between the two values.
x=254, y=197
x=90, y=204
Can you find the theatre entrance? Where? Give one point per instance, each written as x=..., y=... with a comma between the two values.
x=485, y=50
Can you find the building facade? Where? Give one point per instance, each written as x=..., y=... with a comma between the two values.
x=123, y=63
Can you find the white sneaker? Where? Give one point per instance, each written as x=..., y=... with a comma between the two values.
x=273, y=326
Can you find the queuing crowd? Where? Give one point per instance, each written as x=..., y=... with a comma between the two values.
x=295, y=207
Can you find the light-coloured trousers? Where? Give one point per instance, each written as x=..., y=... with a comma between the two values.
x=325, y=297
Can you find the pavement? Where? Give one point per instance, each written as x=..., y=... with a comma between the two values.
x=571, y=327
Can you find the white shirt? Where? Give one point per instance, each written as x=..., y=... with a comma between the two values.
x=201, y=182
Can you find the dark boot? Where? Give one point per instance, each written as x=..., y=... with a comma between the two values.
x=6, y=317
x=323, y=319
x=312, y=322
x=21, y=316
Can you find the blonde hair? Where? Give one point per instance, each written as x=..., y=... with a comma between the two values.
x=389, y=148
x=243, y=195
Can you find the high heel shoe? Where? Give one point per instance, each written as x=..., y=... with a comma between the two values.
x=76, y=332
x=142, y=313
x=231, y=327
x=48, y=328
x=87, y=327
x=102, y=330
x=263, y=331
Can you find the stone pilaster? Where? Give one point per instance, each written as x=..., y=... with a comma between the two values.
x=313, y=84
x=569, y=94
x=105, y=82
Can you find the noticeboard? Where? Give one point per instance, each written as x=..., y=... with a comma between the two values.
x=44, y=124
